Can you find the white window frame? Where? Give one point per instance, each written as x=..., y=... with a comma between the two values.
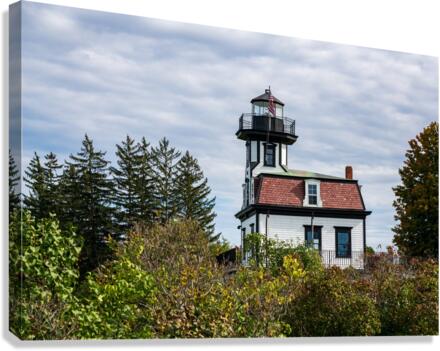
x=316, y=182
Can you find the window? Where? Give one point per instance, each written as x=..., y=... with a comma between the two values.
x=343, y=242
x=252, y=228
x=269, y=155
x=313, y=194
x=243, y=242
x=313, y=239
x=279, y=110
x=260, y=108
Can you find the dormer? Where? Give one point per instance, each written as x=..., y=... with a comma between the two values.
x=312, y=196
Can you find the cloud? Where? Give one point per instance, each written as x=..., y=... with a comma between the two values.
x=109, y=75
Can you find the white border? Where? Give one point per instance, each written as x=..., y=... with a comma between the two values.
x=400, y=25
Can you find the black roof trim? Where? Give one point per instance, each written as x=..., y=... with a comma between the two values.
x=337, y=180
x=303, y=211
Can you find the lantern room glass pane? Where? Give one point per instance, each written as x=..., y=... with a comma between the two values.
x=279, y=110
x=259, y=108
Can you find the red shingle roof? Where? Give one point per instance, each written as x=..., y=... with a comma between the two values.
x=284, y=191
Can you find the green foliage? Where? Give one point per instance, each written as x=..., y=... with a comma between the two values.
x=43, y=274
x=407, y=297
x=14, y=182
x=113, y=301
x=164, y=168
x=270, y=253
x=192, y=195
x=417, y=197
x=42, y=180
x=219, y=246
x=369, y=250
x=333, y=304
x=91, y=210
x=148, y=203
x=126, y=177
x=37, y=201
x=164, y=282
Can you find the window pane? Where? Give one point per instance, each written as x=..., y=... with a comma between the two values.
x=312, y=189
x=343, y=240
x=313, y=240
x=309, y=237
x=270, y=155
x=313, y=200
x=279, y=110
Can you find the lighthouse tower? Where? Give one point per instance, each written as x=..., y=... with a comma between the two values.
x=267, y=133
x=322, y=211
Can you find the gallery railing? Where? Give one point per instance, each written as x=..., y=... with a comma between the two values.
x=266, y=123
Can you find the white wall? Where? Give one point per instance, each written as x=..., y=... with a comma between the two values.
x=291, y=228
x=247, y=224
x=260, y=168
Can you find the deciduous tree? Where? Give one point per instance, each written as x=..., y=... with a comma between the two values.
x=416, y=204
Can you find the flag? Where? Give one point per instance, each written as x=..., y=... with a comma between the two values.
x=271, y=107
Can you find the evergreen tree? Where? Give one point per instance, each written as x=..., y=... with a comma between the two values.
x=92, y=215
x=417, y=197
x=38, y=199
x=164, y=160
x=145, y=184
x=70, y=201
x=42, y=182
x=14, y=179
x=193, y=195
x=126, y=197
x=52, y=177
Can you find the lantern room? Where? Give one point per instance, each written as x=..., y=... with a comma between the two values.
x=260, y=105
x=267, y=121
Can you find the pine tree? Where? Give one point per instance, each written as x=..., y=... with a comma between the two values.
x=38, y=199
x=193, y=195
x=125, y=176
x=416, y=201
x=52, y=177
x=93, y=213
x=164, y=160
x=14, y=179
x=70, y=201
x=145, y=184
x=42, y=182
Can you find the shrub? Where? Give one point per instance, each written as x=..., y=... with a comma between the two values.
x=331, y=304
x=407, y=297
x=43, y=273
x=262, y=251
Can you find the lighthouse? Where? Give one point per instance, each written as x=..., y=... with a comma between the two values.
x=267, y=133
x=322, y=211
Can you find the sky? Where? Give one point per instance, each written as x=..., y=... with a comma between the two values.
x=110, y=75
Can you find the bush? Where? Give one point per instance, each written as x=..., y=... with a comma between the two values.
x=43, y=274
x=262, y=251
x=407, y=297
x=332, y=304
x=164, y=282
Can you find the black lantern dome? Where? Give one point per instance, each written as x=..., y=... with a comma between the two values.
x=265, y=98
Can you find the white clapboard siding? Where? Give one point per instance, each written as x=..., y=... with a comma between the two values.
x=291, y=228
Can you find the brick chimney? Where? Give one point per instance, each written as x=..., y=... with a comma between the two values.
x=348, y=172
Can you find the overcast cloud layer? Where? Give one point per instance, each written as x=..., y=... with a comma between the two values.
x=110, y=75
